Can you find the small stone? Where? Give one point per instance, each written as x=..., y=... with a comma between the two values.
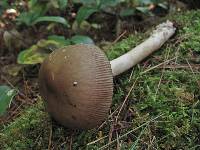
x=75, y=83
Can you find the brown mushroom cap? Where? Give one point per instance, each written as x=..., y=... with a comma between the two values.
x=76, y=84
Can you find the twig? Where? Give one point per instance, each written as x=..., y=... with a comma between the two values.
x=192, y=71
x=119, y=37
x=50, y=138
x=14, y=113
x=93, y=142
x=118, y=144
x=125, y=100
x=133, y=147
x=131, y=75
x=71, y=142
x=182, y=66
x=7, y=81
x=110, y=133
x=158, y=87
x=19, y=92
x=124, y=135
x=108, y=118
x=167, y=61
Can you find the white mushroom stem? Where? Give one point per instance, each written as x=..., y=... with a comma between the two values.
x=159, y=36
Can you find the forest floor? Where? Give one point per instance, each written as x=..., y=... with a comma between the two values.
x=161, y=94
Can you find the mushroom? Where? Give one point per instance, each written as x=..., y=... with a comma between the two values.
x=76, y=82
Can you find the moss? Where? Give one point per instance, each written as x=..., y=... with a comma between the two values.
x=190, y=30
x=23, y=132
x=171, y=95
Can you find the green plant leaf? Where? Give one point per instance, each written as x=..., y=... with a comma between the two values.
x=53, y=4
x=108, y=3
x=80, y=39
x=33, y=14
x=6, y=96
x=62, y=4
x=144, y=10
x=56, y=19
x=35, y=11
x=3, y=5
x=37, y=53
x=84, y=13
x=30, y=57
x=86, y=2
x=59, y=39
x=32, y=3
x=163, y=5
x=127, y=12
x=146, y=2
x=25, y=18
